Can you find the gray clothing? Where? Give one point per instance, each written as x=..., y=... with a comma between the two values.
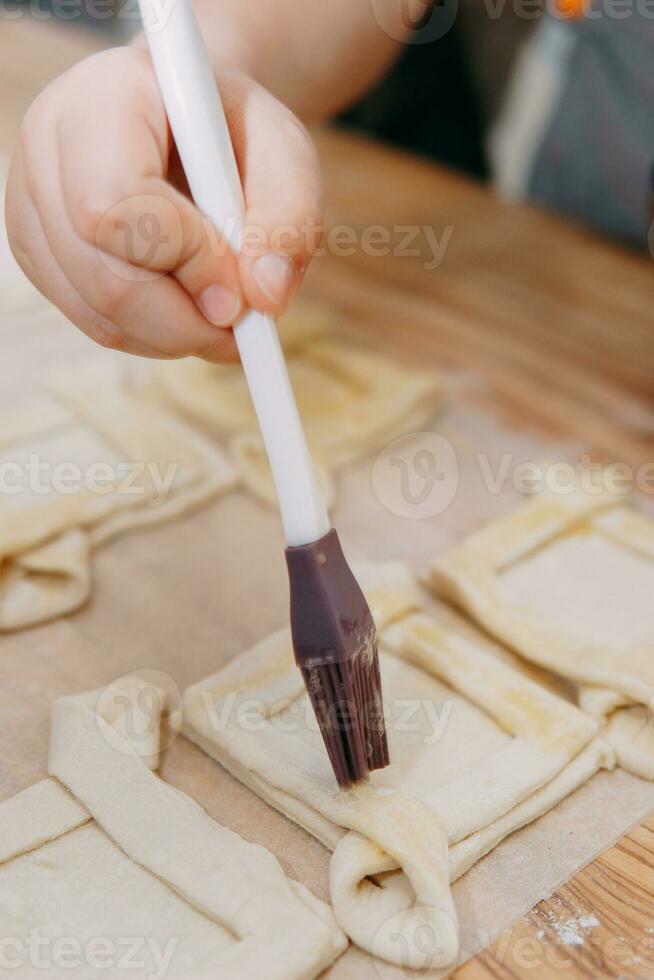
x=596, y=158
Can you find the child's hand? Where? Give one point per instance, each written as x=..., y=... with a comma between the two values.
x=99, y=220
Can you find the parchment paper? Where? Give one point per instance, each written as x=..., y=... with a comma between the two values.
x=186, y=598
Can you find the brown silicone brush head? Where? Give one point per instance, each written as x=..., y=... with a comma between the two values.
x=335, y=647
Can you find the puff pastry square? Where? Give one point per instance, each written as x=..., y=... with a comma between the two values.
x=477, y=750
x=107, y=850
x=352, y=399
x=133, y=465
x=567, y=581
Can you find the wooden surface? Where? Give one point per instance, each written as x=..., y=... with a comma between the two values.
x=558, y=329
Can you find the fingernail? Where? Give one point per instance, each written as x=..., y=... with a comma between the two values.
x=220, y=305
x=274, y=274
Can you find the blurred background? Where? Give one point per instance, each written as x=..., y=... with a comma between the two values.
x=438, y=100
x=478, y=88
x=441, y=98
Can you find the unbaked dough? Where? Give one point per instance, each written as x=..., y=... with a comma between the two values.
x=477, y=751
x=352, y=399
x=567, y=581
x=133, y=465
x=107, y=851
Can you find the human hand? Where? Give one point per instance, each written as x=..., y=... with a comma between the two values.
x=99, y=217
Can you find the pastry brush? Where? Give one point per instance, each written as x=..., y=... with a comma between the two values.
x=333, y=632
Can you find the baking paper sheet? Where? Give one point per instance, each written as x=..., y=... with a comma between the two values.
x=186, y=598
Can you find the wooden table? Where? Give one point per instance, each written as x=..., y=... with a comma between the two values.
x=560, y=326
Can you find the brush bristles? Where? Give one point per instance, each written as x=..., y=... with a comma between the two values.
x=335, y=647
x=368, y=680
x=347, y=703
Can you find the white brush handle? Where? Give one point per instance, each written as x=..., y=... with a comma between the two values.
x=197, y=120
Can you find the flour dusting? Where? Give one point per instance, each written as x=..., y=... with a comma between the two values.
x=572, y=930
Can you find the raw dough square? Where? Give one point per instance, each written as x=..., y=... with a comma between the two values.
x=352, y=399
x=477, y=751
x=89, y=462
x=567, y=581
